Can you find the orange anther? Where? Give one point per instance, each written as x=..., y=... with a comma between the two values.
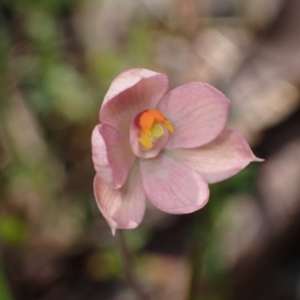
x=149, y=117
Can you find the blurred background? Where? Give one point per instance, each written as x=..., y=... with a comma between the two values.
x=57, y=59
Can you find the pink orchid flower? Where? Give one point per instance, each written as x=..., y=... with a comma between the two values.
x=162, y=147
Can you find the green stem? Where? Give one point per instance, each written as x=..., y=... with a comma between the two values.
x=127, y=263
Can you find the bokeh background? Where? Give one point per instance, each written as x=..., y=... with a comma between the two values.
x=57, y=59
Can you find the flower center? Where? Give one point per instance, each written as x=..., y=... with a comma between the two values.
x=151, y=123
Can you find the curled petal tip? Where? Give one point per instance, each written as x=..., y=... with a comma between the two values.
x=112, y=224
x=113, y=231
x=257, y=159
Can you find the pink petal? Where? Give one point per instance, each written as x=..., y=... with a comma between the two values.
x=131, y=93
x=124, y=207
x=126, y=80
x=112, y=155
x=198, y=113
x=173, y=187
x=222, y=158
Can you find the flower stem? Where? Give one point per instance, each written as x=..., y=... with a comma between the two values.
x=127, y=263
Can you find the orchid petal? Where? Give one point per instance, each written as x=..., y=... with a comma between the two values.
x=132, y=92
x=222, y=158
x=112, y=155
x=122, y=208
x=198, y=113
x=173, y=187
